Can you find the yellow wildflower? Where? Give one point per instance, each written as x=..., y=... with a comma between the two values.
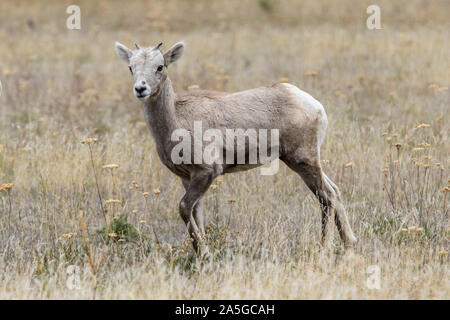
x=424, y=144
x=311, y=73
x=111, y=166
x=6, y=186
x=423, y=125
x=89, y=141
x=109, y=201
x=348, y=165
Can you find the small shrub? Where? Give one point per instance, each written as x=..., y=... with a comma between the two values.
x=120, y=229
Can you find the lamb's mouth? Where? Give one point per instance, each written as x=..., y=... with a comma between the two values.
x=142, y=96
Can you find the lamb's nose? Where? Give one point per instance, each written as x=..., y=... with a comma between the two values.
x=140, y=88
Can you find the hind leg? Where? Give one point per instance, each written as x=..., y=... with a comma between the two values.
x=341, y=219
x=328, y=195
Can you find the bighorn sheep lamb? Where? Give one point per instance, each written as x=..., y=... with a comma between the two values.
x=299, y=119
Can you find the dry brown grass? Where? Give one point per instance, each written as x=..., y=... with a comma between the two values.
x=62, y=86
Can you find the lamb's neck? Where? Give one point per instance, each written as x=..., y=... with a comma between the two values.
x=160, y=114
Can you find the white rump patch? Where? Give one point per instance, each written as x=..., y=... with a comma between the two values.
x=311, y=107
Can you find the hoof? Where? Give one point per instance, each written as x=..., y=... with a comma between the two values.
x=204, y=255
x=350, y=242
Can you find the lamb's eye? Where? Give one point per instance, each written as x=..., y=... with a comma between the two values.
x=131, y=70
x=159, y=68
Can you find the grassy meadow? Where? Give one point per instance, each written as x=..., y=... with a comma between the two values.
x=387, y=100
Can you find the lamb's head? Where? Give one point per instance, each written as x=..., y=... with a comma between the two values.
x=149, y=67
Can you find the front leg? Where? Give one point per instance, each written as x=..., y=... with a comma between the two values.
x=197, y=211
x=197, y=186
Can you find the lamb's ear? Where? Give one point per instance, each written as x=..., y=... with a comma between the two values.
x=123, y=52
x=174, y=53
